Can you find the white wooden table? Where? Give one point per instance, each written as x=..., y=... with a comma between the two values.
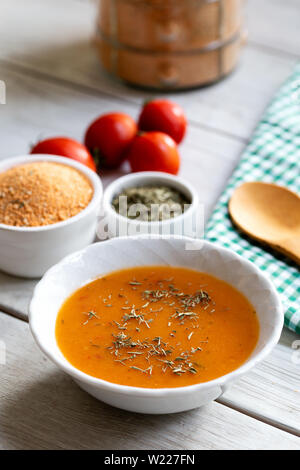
x=55, y=86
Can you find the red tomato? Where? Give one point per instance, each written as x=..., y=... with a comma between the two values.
x=66, y=147
x=163, y=116
x=154, y=151
x=109, y=136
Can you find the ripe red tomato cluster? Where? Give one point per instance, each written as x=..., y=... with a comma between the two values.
x=149, y=145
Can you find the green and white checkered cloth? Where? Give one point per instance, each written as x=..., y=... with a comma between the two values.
x=273, y=155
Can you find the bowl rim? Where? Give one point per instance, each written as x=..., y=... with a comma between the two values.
x=93, y=178
x=160, y=392
x=176, y=182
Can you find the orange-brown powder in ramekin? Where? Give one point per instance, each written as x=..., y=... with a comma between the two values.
x=42, y=193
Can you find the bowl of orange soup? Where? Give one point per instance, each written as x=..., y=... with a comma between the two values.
x=155, y=325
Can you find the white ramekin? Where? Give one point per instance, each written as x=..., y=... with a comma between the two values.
x=190, y=223
x=30, y=251
x=100, y=258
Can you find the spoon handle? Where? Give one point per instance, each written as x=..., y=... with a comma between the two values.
x=290, y=247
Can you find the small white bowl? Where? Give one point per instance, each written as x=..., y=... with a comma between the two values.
x=30, y=251
x=101, y=258
x=189, y=223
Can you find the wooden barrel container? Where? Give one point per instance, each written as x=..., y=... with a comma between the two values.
x=169, y=43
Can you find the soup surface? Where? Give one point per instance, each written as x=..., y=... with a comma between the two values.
x=156, y=327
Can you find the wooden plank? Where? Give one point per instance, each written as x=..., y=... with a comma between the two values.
x=233, y=106
x=44, y=409
x=271, y=391
x=15, y=295
x=275, y=24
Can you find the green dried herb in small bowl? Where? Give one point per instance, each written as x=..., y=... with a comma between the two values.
x=150, y=203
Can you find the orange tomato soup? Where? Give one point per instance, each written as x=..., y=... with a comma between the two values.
x=157, y=327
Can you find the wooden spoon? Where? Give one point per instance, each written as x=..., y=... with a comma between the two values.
x=270, y=214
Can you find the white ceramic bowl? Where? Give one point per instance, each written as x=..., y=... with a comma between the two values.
x=189, y=223
x=30, y=251
x=100, y=258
